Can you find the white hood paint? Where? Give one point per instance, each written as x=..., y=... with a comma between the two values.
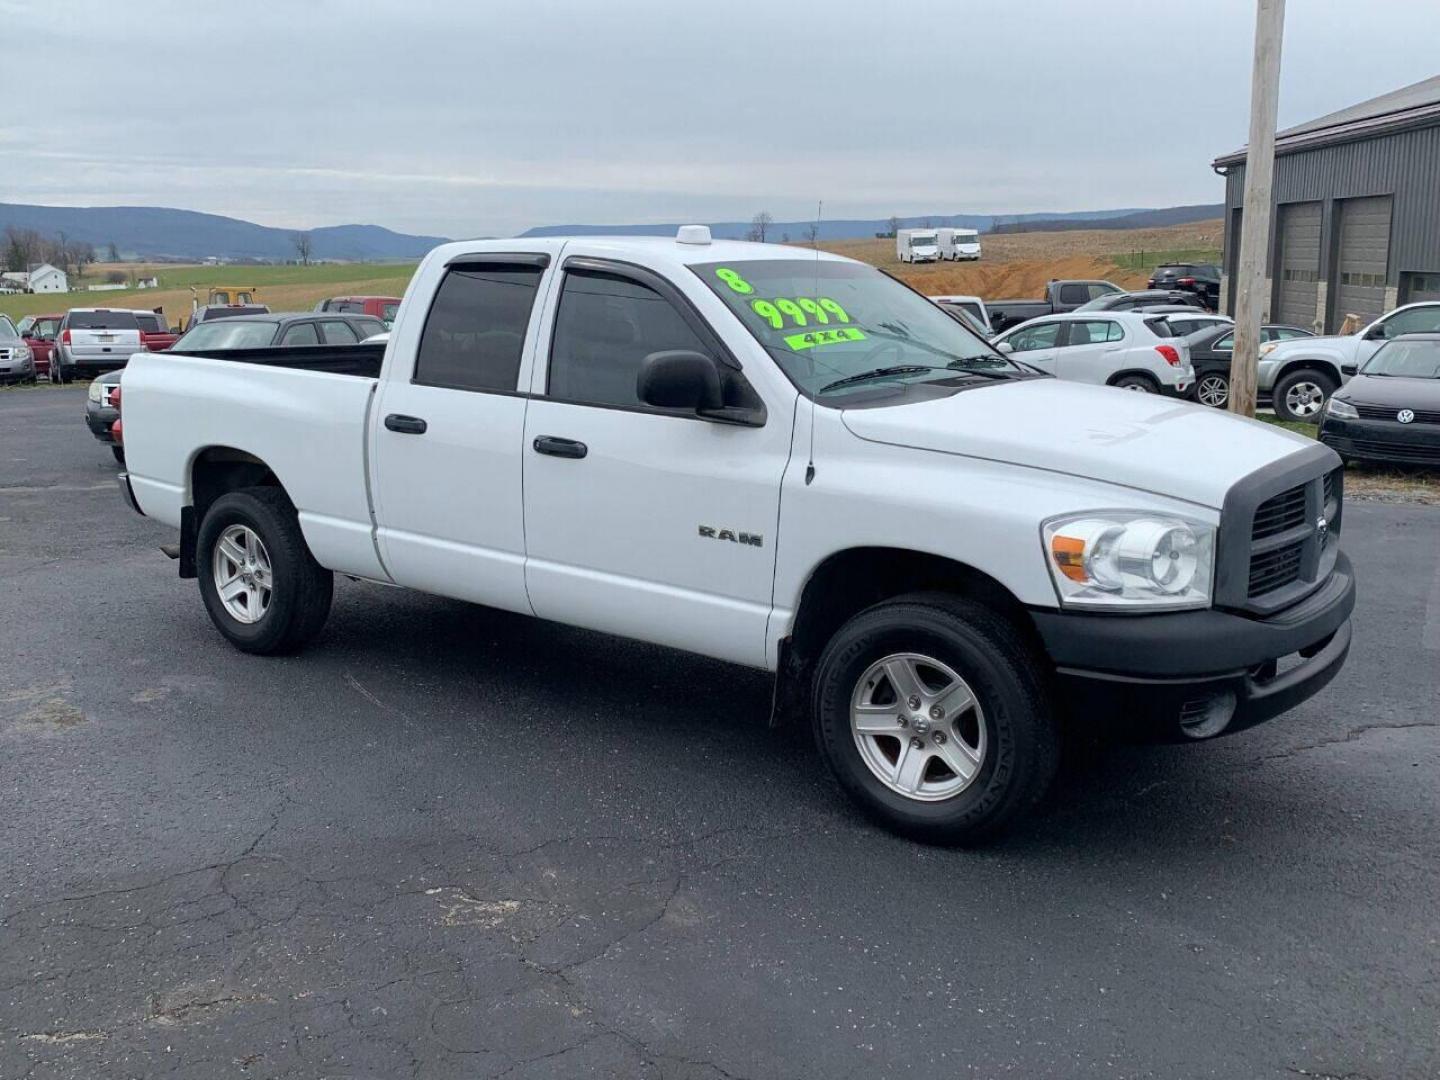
x=1145, y=441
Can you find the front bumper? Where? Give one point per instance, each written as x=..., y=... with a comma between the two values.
x=17, y=370
x=1159, y=674
x=1383, y=440
x=98, y=419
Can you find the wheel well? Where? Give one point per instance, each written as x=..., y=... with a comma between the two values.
x=1141, y=372
x=1320, y=367
x=848, y=582
x=215, y=471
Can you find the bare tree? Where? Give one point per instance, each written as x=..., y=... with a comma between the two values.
x=112, y=253
x=23, y=248
x=301, y=240
x=758, y=224
x=894, y=224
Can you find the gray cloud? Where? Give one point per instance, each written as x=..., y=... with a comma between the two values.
x=488, y=117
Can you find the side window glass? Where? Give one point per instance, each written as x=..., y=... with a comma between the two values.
x=1224, y=343
x=1094, y=331
x=475, y=331
x=301, y=334
x=1043, y=336
x=338, y=333
x=1074, y=294
x=605, y=327
x=1425, y=320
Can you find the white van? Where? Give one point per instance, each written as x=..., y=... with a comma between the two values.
x=959, y=244
x=917, y=245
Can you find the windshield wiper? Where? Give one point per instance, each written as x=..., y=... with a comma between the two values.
x=878, y=373
x=984, y=373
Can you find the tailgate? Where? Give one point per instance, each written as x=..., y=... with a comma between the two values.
x=104, y=343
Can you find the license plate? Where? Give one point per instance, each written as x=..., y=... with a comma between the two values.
x=104, y=337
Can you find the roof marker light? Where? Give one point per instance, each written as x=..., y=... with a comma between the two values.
x=693, y=234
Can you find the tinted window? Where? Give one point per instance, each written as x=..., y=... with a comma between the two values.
x=346, y=306
x=1095, y=332
x=475, y=331
x=301, y=334
x=101, y=320
x=1074, y=294
x=1224, y=343
x=605, y=328
x=1285, y=332
x=1041, y=336
x=150, y=324
x=338, y=333
x=228, y=334
x=1423, y=320
x=368, y=327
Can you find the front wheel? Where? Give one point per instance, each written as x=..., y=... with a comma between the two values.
x=263, y=589
x=1213, y=390
x=932, y=712
x=1300, y=396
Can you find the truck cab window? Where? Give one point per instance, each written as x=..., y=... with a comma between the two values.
x=301, y=334
x=604, y=329
x=1075, y=294
x=475, y=331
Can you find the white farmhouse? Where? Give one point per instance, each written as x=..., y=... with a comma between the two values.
x=48, y=279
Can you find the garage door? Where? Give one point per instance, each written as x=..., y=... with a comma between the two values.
x=1299, y=261
x=1417, y=287
x=1363, y=255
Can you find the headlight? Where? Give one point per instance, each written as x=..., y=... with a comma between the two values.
x=22, y=352
x=1268, y=348
x=96, y=391
x=1342, y=410
x=1119, y=559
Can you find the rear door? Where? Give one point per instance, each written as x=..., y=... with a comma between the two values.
x=639, y=521
x=1089, y=351
x=447, y=434
x=338, y=332
x=102, y=338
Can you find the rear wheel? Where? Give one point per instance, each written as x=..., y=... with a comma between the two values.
x=933, y=714
x=263, y=589
x=1300, y=396
x=1213, y=390
x=1140, y=383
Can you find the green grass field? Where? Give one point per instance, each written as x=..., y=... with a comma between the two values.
x=281, y=287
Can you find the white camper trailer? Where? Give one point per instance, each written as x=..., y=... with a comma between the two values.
x=958, y=244
x=917, y=245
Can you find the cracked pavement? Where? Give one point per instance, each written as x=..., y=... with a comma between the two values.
x=447, y=842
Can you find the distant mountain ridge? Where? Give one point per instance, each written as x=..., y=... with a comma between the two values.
x=860, y=228
x=158, y=232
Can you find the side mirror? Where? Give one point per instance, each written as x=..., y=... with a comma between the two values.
x=1006, y=348
x=1376, y=333
x=1349, y=369
x=680, y=379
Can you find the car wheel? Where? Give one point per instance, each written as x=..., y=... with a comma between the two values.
x=933, y=714
x=1213, y=390
x=1300, y=396
x=1140, y=383
x=263, y=589
x=118, y=452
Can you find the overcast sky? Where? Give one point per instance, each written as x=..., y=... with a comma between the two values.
x=475, y=117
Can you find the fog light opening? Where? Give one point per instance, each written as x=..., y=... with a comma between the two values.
x=1204, y=718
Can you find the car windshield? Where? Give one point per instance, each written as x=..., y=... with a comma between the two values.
x=825, y=321
x=1406, y=360
x=7, y=328
x=228, y=334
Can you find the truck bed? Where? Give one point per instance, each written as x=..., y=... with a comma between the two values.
x=360, y=360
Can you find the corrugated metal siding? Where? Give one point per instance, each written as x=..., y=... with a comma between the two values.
x=1404, y=165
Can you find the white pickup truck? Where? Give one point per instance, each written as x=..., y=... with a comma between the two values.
x=779, y=458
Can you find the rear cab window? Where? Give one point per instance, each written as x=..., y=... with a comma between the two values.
x=474, y=333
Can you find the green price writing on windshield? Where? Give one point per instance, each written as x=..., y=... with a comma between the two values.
x=799, y=312
x=824, y=337
x=734, y=280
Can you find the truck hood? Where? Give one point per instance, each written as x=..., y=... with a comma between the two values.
x=1337, y=348
x=1144, y=441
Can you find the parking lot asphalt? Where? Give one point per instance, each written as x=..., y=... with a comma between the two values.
x=447, y=842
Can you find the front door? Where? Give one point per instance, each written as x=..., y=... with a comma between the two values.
x=1039, y=345
x=446, y=437
x=644, y=522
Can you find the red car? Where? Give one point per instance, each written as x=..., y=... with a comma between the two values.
x=382, y=307
x=39, y=333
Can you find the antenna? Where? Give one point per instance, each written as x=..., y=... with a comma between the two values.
x=815, y=242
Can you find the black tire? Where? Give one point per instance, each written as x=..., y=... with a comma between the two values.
x=1137, y=382
x=1297, y=381
x=1007, y=678
x=118, y=452
x=301, y=589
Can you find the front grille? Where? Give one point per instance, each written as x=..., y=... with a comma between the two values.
x=1419, y=455
x=1280, y=514
x=1387, y=412
x=1271, y=570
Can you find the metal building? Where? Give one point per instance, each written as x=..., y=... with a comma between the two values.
x=1356, y=228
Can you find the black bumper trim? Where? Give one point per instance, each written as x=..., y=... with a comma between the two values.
x=127, y=492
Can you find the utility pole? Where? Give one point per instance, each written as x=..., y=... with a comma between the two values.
x=1255, y=218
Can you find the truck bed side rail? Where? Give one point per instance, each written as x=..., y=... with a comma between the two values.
x=359, y=360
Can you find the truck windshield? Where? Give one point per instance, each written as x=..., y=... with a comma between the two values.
x=922, y=241
x=825, y=321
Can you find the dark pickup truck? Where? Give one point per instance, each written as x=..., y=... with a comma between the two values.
x=1060, y=296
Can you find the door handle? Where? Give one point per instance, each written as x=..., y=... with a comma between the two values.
x=558, y=447
x=406, y=425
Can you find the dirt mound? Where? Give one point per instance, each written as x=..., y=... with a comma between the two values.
x=1011, y=280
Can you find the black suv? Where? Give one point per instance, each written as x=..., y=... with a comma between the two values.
x=1203, y=279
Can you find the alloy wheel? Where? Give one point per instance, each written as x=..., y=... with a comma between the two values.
x=243, y=578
